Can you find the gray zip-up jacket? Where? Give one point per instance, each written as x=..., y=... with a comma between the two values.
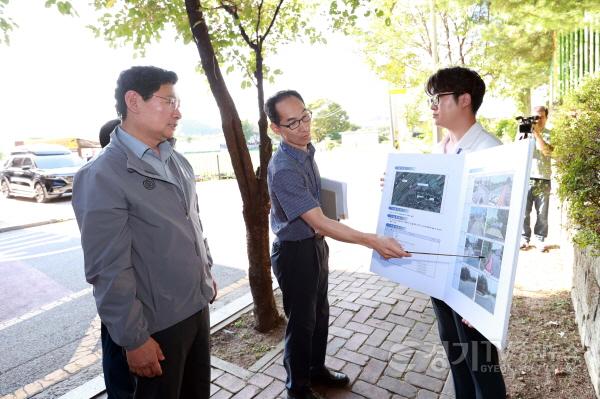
x=143, y=245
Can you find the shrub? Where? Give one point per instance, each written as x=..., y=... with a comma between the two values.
x=576, y=140
x=505, y=129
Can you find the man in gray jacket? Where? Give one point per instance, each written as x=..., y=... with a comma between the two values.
x=144, y=249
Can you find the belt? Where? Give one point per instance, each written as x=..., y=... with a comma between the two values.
x=315, y=237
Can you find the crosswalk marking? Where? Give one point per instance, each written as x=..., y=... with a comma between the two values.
x=21, y=237
x=34, y=243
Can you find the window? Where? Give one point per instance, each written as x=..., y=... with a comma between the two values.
x=58, y=161
x=16, y=162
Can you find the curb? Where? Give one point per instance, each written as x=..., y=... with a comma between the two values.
x=90, y=389
x=34, y=224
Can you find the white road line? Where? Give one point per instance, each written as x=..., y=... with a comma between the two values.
x=11, y=254
x=34, y=242
x=44, y=308
x=59, y=251
x=21, y=237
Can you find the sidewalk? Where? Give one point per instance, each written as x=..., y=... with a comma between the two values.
x=24, y=212
x=383, y=335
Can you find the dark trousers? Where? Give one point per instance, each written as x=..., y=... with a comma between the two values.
x=186, y=368
x=473, y=359
x=538, y=195
x=302, y=270
x=119, y=382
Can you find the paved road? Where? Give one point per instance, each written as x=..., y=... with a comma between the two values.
x=45, y=304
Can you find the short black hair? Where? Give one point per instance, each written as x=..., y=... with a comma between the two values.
x=106, y=130
x=459, y=80
x=144, y=80
x=276, y=98
x=541, y=108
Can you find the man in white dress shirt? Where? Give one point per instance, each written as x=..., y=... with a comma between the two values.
x=455, y=96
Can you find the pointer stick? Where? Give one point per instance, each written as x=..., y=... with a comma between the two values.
x=460, y=256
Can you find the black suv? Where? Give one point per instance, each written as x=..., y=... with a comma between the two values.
x=41, y=172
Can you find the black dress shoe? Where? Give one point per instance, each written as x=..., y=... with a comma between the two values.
x=330, y=378
x=306, y=394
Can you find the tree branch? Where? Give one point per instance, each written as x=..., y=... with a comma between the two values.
x=460, y=40
x=232, y=10
x=272, y=21
x=243, y=65
x=444, y=18
x=260, y=6
x=429, y=39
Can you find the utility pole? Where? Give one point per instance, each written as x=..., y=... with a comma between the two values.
x=434, y=41
x=437, y=131
x=392, y=127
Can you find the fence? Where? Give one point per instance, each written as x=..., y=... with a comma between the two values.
x=576, y=55
x=215, y=164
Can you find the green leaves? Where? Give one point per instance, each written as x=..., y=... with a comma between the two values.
x=140, y=22
x=329, y=120
x=6, y=24
x=576, y=140
x=64, y=7
x=509, y=45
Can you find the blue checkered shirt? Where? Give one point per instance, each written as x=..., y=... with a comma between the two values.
x=294, y=187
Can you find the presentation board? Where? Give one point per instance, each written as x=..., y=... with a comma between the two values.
x=468, y=210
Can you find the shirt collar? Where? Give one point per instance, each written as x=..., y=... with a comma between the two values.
x=466, y=141
x=140, y=149
x=297, y=153
x=470, y=137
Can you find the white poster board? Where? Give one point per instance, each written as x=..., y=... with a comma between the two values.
x=334, y=199
x=468, y=204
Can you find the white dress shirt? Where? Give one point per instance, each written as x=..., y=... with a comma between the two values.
x=476, y=138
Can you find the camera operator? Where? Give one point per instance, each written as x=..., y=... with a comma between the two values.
x=539, y=182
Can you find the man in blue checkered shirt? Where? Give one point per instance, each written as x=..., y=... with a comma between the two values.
x=300, y=254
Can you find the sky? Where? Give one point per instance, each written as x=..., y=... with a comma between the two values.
x=59, y=79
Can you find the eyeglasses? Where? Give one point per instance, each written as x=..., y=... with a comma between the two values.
x=434, y=100
x=295, y=124
x=173, y=102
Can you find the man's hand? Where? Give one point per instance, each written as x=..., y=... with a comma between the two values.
x=214, y=289
x=540, y=143
x=388, y=248
x=144, y=361
x=537, y=127
x=466, y=323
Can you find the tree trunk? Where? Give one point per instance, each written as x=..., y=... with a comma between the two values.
x=524, y=101
x=253, y=190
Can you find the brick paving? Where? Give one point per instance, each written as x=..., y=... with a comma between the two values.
x=382, y=335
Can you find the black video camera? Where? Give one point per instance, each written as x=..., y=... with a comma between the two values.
x=526, y=125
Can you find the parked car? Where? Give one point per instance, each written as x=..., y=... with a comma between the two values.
x=40, y=171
